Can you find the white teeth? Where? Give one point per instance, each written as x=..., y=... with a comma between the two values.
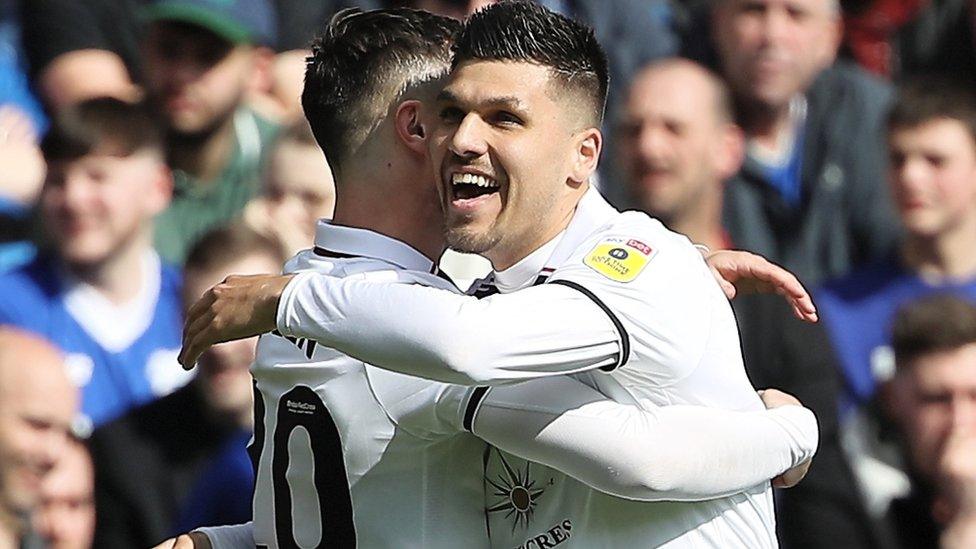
x=473, y=179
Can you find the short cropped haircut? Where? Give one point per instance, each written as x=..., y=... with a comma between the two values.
x=102, y=126
x=923, y=100
x=362, y=63
x=934, y=324
x=225, y=245
x=523, y=31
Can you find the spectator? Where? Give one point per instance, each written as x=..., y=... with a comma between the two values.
x=678, y=145
x=66, y=515
x=202, y=57
x=298, y=191
x=148, y=462
x=932, y=144
x=810, y=194
x=37, y=403
x=933, y=402
x=101, y=293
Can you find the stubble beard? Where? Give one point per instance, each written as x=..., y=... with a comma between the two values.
x=462, y=239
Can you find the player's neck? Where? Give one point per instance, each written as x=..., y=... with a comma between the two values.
x=946, y=257
x=517, y=247
x=381, y=203
x=119, y=277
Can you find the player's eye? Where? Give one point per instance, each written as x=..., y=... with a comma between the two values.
x=505, y=118
x=451, y=115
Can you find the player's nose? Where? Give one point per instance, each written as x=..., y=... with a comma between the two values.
x=469, y=139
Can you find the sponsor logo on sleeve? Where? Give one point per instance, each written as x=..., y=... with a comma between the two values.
x=619, y=259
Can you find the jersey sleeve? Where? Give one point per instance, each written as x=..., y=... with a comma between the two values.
x=237, y=536
x=425, y=408
x=675, y=453
x=540, y=331
x=657, y=291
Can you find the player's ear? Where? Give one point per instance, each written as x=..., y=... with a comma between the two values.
x=409, y=126
x=586, y=154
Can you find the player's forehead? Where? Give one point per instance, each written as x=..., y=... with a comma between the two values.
x=478, y=83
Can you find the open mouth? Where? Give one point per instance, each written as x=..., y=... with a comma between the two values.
x=466, y=186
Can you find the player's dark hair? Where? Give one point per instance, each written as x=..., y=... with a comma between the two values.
x=523, y=31
x=923, y=100
x=937, y=323
x=104, y=125
x=363, y=63
x=224, y=245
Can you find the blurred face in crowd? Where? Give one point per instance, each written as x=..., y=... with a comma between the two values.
x=938, y=398
x=511, y=155
x=66, y=517
x=933, y=176
x=300, y=183
x=677, y=143
x=37, y=404
x=96, y=205
x=224, y=373
x=196, y=78
x=771, y=50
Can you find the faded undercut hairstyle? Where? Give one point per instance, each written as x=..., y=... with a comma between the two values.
x=363, y=63
x=523, y=31
x=938, y=323
x=923, y=100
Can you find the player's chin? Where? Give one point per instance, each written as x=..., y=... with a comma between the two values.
x=469, y=238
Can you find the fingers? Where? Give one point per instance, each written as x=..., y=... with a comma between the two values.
x=197, y=318
x=197, y=339
x=786, y=284
x=727, y=287
x=793, y=476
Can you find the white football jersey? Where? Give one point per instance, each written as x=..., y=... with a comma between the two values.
x=349, y=455
x=628, y=307
x=680, y=346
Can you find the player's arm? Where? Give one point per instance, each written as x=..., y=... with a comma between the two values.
x=637, y=452
x=676, y=453
x=540, y=331
x=221, y=537
x=315, y=306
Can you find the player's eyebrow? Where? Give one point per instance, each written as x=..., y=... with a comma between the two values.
x=509, y=102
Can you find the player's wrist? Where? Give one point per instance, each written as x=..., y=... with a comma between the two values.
x=286, y=318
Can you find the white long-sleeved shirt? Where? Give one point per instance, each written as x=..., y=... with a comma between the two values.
x=624, y=296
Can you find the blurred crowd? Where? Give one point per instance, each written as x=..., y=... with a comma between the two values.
x=150, y=148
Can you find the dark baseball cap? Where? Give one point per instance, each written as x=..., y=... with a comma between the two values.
x=237, y=21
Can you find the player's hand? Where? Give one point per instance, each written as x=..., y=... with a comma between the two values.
x=774, y=398
x=743, y=272
x=193, y=540
x=237, y=308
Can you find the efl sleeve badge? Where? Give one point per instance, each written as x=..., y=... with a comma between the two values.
x=619, y=259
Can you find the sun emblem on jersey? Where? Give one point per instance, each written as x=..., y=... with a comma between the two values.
x=515, y=494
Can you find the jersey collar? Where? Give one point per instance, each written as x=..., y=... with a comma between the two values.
x=592, y=212
x=342, y=241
